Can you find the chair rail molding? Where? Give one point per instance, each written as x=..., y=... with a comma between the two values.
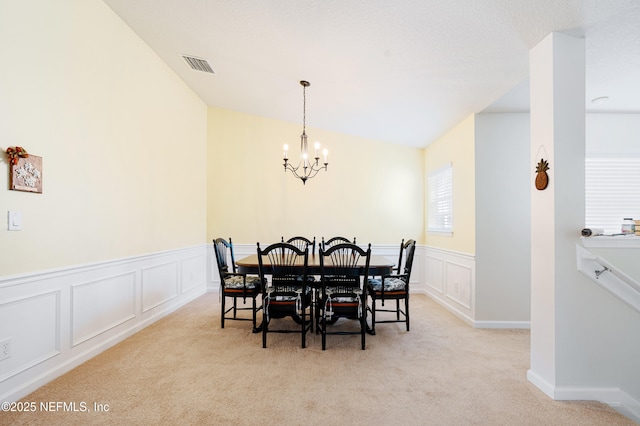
x=78, y=312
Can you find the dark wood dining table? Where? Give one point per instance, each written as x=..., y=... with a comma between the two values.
x=378, y=265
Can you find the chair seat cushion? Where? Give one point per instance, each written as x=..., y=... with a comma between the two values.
x=278, y=295
x=237, y=282
x=390, y=284
x=285, y=298
x=343, y=299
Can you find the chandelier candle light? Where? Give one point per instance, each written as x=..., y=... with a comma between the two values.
x=307, y=169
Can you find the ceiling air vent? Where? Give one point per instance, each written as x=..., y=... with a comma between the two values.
x=198, y=64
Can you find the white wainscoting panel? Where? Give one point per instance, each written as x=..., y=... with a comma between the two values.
x=458, y=283
x=58, y=319
x=159, y=285
x=193, y=272
x=32, y=342
x=450, y=281
x=101, y=305
x=434, y=273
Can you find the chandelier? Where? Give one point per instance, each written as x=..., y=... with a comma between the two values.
x=305, y=169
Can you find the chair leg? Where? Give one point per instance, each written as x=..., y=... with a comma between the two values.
x=317, y=314
x=235, y=307
x=373, y=316
x=398, y=309
x=311, y=320
x=406, y=310
x=255, y=319
x=363, y=330
x=222, y=311
x=265, y=326
x=304, y=325
x=324, y=330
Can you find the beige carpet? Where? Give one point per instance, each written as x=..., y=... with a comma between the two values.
x=184, y=369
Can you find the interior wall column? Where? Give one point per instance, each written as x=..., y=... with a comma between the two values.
x=557, y=78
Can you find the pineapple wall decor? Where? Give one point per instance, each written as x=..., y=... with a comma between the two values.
x=542, y=178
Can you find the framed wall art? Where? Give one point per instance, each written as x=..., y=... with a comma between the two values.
x=26, y=174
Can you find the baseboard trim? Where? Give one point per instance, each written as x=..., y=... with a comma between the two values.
x=614, y=397
x=449, y=307
x=523, y=325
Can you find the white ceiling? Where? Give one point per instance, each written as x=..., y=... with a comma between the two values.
x=402, y=71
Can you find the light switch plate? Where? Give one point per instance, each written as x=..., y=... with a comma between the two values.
x=15, y=221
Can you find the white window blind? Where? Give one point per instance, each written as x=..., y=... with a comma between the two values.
x=612, y=192
x=440, y=200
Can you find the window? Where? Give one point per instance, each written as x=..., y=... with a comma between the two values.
x=612, y=192
x=440, y=200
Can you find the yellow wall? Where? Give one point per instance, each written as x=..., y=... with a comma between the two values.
x=372, y=190
x=123, y=140
x=456, y=147
x=135, y=163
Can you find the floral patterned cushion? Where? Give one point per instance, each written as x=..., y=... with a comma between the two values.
x=344, y=299
x=390, y=284
x=237, y=282
x=341, y=298
x=285, y=298
x=270, y=290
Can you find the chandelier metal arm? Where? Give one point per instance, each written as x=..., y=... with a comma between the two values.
x=309, y=170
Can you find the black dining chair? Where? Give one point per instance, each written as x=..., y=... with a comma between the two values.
x=235, y=285
x=344, y=269
x=302, y=242
x=285, y=295
x=392, y=287
x=335, y=240
x=325, y=245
